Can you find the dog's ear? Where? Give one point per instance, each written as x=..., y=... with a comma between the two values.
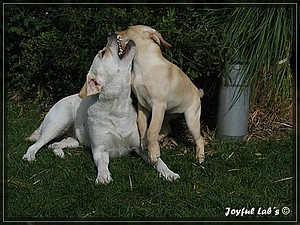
x=156, y=36
x=90, y=87
x=83, y=92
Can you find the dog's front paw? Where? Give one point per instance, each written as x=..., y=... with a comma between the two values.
x=103, y=178
x=169, y=175
x=153, y=155
x=29, y=156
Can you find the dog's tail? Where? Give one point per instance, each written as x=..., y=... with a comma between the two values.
x=201, y=92
x=35, y=135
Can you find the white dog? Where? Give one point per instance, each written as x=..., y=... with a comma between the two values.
x=104, y=121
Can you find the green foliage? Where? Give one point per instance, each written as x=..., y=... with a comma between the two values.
x=50, y=48
x=260, y=38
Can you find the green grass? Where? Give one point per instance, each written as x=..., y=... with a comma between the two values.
x=239, y=174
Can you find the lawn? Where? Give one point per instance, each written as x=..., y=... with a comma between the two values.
x=255, y=175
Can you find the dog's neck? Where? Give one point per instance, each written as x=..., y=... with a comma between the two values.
x=145, y=59
x=115, y=96
x=146, y=50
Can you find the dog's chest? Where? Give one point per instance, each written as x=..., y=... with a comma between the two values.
x=112, y=119
x=142, y=84
x=116, y=128
x=142, y=93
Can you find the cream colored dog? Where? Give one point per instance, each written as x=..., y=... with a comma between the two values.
x=105, y=120
x=160, y=87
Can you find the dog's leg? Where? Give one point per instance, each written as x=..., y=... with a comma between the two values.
x=65, y=143
x=142, y=120
x=33, y=149
x=192, y=117
x=166, y=129
x=50, y=130
x=159, y=166
x=35, y=135
x=101, y=159
x=47, y=135
x=158, y=112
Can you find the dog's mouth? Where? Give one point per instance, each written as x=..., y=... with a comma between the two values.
x=123, y=50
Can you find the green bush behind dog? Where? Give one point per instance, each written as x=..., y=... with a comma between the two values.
x=49, y=48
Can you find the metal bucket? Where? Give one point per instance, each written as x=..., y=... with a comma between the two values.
x=233, y=105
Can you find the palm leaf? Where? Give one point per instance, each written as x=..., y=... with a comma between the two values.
x=259, y=38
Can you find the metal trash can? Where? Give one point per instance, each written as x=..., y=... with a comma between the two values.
x=233, y=105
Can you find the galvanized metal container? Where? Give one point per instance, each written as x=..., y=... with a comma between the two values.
x=233, y=105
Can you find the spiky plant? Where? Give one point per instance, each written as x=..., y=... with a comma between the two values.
x=260, y=38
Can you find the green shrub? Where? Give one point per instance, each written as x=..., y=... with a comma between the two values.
x=50, y=49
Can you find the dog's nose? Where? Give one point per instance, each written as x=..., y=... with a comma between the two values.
x=110, y=34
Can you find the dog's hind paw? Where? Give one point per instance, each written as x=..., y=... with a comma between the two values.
x=201, y=159
x=59, y=152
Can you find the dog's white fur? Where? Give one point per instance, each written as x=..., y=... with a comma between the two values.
x=105, y=121
x=160, y=87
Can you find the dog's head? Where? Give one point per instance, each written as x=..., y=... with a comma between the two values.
x=141, y=35
x=110, y=63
